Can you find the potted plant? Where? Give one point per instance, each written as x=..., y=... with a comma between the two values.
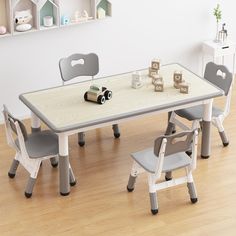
x=218, y=15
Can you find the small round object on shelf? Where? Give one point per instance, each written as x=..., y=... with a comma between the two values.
x=23, y=27
x=3, y=30
x=48, y=21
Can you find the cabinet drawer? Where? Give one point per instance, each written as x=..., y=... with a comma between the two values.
x=225, y=50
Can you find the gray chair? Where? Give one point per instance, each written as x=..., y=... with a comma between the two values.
x=78, y=65
x=220, y=76
x=31, y=149
x=167, y=155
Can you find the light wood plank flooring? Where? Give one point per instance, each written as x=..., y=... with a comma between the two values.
x=100, y=205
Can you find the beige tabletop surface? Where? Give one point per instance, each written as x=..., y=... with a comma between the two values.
x=63, y=108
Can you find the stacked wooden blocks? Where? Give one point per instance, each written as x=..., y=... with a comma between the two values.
x=179, y=82
x=157, y=79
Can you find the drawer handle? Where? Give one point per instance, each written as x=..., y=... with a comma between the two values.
x=225, y=47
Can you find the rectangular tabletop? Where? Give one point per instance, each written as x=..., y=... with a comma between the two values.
x=63, y=108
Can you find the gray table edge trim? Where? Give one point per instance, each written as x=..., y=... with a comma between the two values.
x=112, y=118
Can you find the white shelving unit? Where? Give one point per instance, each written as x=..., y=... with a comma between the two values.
x=74, y=11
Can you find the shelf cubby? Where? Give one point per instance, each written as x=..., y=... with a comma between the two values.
x=105, y=5
x=48, y=8
x=5, y=18
x=76, y=6
x=22, y=5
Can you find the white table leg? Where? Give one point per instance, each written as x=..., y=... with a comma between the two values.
x=64, y=165
x=35, y=123
x=206, y=130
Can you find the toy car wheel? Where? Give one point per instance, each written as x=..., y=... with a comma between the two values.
x=86, y=96
x=101, y=99
x=108, y=94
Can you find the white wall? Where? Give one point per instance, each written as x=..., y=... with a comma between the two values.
x=137, y=32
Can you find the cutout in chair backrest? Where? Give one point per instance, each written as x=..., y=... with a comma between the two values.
x=79, y=65
x=77, y=62
x=218, y=75
x=180, y=142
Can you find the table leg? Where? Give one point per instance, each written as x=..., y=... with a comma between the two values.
x=206, y=130
x=233, y=67
x=64, y=165
x=35, y=123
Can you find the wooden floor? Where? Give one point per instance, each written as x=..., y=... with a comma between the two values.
x=100, y=205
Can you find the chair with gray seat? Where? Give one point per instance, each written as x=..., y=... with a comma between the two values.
x=78, y=65
x=31, y=149
x=167, y=155
x=220, y=76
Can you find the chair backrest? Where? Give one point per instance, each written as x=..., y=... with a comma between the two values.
x=78, y=65
x=11, y=128
x=179, y=142
x=219, y=75
x=171, y=144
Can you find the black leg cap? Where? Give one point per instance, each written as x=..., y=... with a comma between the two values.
x=194, y=200
x=167, y=179
x=81, y=143
x=73, y=183
x=64, y=194
x=116, y=135
x=54, y=165
x=226, y=144
x=154, y=211
x=28, y=195
x=204, y=157
x=130, y=189
x=11, y=175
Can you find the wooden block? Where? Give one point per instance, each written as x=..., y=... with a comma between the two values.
x=177, y=84
x=137, y=80
x=156, y=64
x=178, y=77
x=159, y=87
x=152, y=72
x=184, y=88
x=156, y=78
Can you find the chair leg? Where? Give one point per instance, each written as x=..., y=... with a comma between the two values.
x=116, y=131
x=131, y=183
x=224, y=138
x=13, y=168
x=29, y=187
x=168, y=176
x=81, y=137
x=133, y=175
x=72, y=177
x=54, y=162
x=191, y=186
x=154, y=203
x=192, y=192
x=219, y=125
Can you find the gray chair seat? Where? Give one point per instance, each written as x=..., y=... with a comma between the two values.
x=41, y=144
x=196, y=112
x=148, y=160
